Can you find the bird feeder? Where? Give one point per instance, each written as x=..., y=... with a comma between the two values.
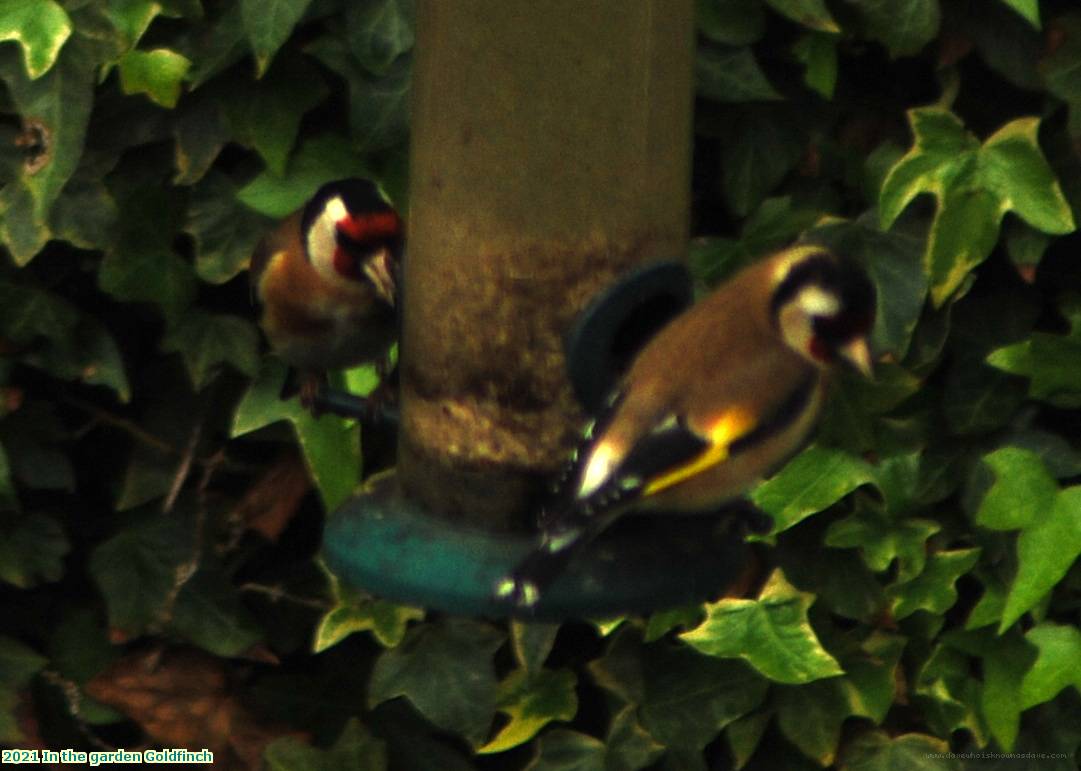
x=549, y=193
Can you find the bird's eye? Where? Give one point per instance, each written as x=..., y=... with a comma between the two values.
x=345, y=262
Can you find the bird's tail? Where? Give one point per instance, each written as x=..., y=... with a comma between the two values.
x=560, y=545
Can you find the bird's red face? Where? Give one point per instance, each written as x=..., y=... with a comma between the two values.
x=366, y=249
x=352, y=235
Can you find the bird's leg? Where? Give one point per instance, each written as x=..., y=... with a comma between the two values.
x=313, y=389
x=317, y=396
x=385, y=395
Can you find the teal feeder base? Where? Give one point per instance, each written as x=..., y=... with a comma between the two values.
x=390, y=547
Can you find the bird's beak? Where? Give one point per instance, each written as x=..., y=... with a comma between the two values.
x=858, y=354
x=380, y=271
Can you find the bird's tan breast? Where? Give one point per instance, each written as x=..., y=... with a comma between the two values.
x=317, y=324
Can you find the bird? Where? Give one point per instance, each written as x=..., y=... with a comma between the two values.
x=327, y=280
x=717, y=399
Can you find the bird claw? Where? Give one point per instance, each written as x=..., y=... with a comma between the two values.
x=312, y=395
x=522, y=594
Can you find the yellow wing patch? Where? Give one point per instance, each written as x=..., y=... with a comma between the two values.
x=732, y=425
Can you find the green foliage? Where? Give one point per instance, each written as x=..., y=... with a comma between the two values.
x=918, y=593
x=771, y=633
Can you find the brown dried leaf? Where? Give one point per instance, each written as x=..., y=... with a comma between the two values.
x=274, y=498
x=182, y=698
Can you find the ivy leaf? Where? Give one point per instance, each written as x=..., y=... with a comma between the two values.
x=445, y=669
x=40, y=27
x=143, y=266
x=266, y=115
x=688, y=698
x=745, y=735
x=18, y=664
x=904, y=28
x=132, y=17
x=818, y=53
x=988, y=609
x=1056, y=452
x=1023, y=490
x=870, y=683
x=55, y=108
x=731, y=74
x=28, y=313
x=225, y=231
x=34, y=435
x=732, y=22
x=531, y=701
x=79, y=347
x=771, y=633
x=812, y=481
x=32, y=550
x=630, y=746
x=331, y=445
x=220, y=45
x=84, y=214
x=158, y=74
x=22, y=231
x=1028, y=9
x=1058, y=66
x=1052, y=363
x=566, y=750
x=387, y=621
x=378, y=104
x=877, y=751
x=974, y=185
x=810, y=716
x=759, y=146
x=1046, y=549
x=136, y=571
x=1006, y=660
x=531, y=643
x=978, y=398
x=267, y=24
x=209, y=613
x=684, y=697
x=319, y=160
x=1058, y=651
x=882, y=539
x=355, y=750
x=809, y=13
x=209, y=341
x=664, y=621
x=200, y=131
x=379, y=32
x=933, y=589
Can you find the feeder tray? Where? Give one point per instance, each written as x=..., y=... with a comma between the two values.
x=389, y=545
x=393, y=548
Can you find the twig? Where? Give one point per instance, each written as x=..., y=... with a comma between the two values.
x=133, y=429
x=276, y=594
x=184, y=469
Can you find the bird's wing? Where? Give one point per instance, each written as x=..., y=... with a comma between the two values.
x=676, y=449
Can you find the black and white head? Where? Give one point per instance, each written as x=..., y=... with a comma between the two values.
x=352, y=234
x=824, y=308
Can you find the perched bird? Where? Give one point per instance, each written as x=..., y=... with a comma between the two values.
x=717, y=399
x=327, y=281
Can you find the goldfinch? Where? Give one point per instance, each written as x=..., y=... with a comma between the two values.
x=718, y=398
x=327, y=281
